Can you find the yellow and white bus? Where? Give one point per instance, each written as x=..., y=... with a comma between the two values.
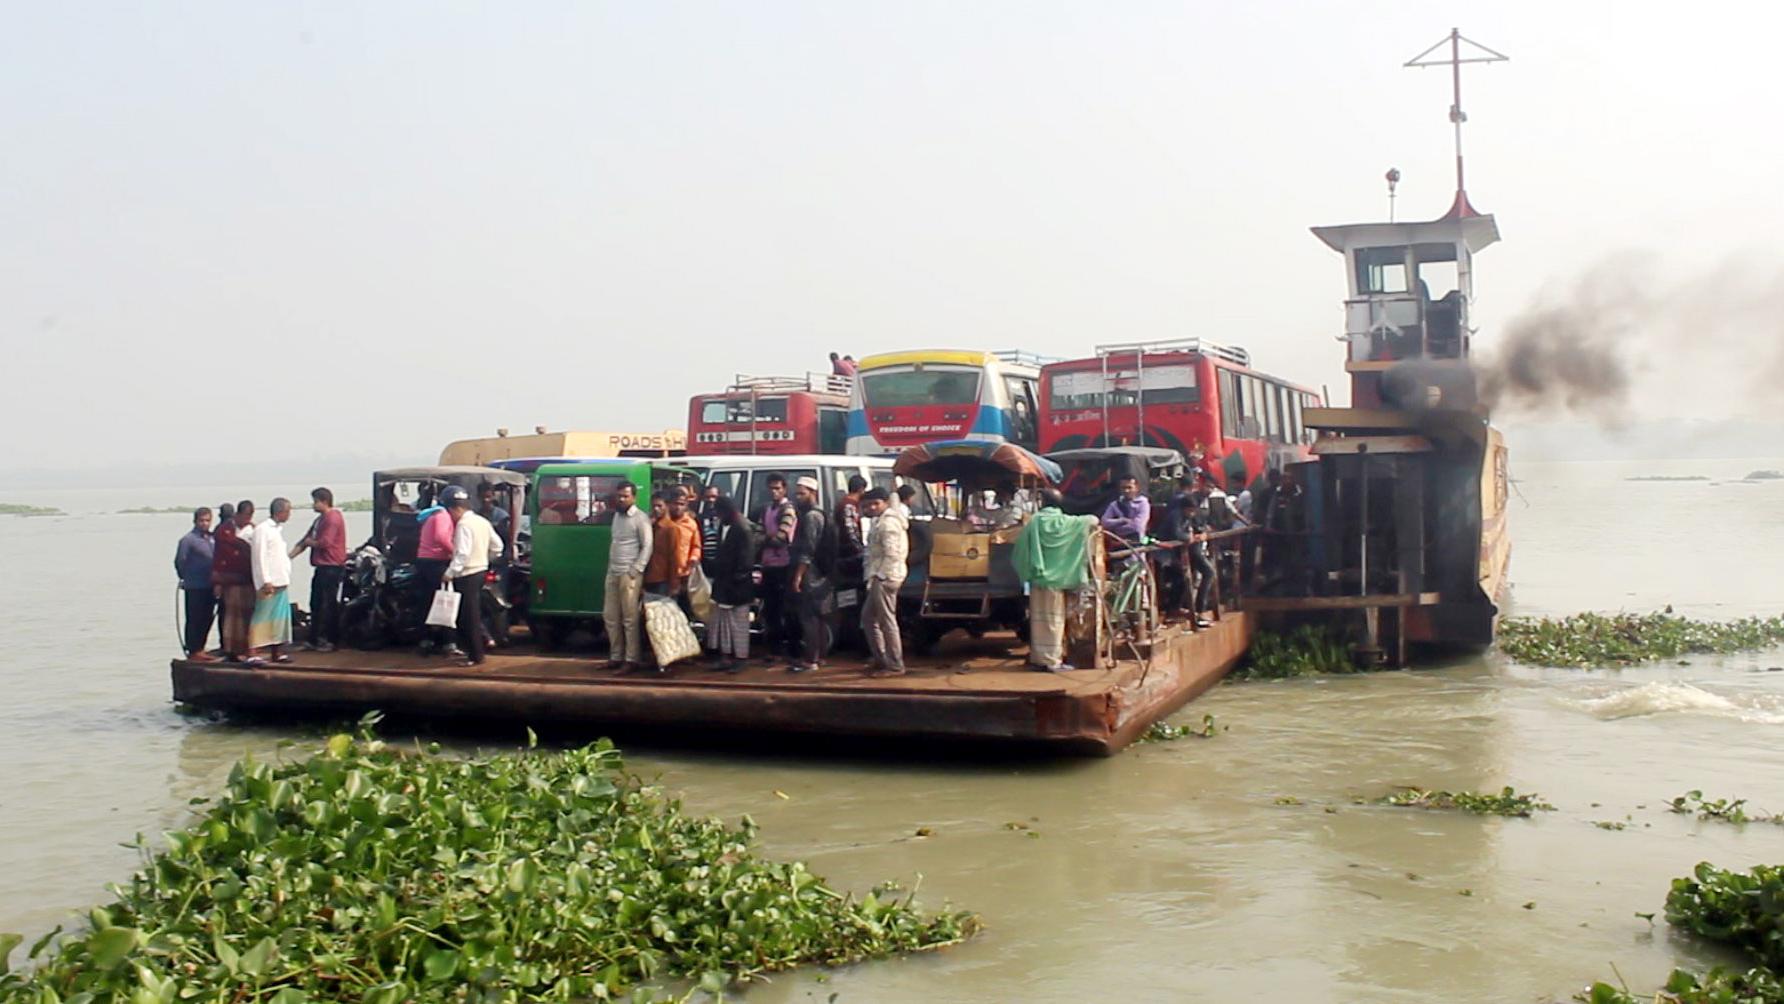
x=902, y=399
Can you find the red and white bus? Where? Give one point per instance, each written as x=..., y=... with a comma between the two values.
x=767, y=415
x=1201, y=399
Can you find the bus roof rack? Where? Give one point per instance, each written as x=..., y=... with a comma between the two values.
x=1231, y=353
x=820, y=383
x=1021, y=357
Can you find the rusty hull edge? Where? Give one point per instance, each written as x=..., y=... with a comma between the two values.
x=1063, y=723
x=1189, y=667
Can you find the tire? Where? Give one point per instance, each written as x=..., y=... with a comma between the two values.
x=920, y=636
x=546, y=636
x=360, y=628
x=496, y=624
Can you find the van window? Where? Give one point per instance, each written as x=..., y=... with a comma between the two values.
x=922, y=504
x=758, y=487
x=583, y=499
x=730, y=483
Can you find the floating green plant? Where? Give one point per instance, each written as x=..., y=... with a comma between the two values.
x=366, y=874
x=1591, y=640
x=1506, y=803
x=1307, y=650
x=1744, y=910
x=1727, y=810
x=1164, y=732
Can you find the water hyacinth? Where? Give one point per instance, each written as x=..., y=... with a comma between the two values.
x=371, y=875
x=1307, y=650
x=1164, y=732
x=1591, y=640
x=1506, y=802
x=1744, y=910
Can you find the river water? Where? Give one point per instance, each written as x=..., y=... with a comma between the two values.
x=1174, y=871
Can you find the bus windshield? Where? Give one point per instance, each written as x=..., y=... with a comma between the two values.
x=1088, y=389
x=908, y=388
x=718, y=411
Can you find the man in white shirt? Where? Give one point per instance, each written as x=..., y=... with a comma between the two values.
x=474, y=546
x=888, y=548
x=269, y=627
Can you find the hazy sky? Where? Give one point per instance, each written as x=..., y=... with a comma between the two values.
x=267, y=230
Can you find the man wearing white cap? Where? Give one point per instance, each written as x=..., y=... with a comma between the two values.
x=814, y=557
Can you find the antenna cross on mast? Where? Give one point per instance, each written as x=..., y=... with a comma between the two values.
x=1454, y=62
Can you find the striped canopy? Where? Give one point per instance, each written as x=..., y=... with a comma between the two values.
x=975, y=463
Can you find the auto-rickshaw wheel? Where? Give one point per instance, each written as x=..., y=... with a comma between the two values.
x=546, y=632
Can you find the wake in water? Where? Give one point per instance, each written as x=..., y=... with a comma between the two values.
x=1660, y=697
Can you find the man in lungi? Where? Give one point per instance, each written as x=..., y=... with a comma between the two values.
x=269, y=627
x=1052, y=556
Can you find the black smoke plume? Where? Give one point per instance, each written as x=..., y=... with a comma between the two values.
x=1576, y=352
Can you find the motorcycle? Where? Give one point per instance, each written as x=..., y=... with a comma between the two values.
x=382, y=606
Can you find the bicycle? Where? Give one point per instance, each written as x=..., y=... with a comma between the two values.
x=1133, y=599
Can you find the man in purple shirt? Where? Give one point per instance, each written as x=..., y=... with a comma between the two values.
x=1127, y=517
x=327, y=544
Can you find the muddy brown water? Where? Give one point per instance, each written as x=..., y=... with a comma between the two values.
x=1170, y=872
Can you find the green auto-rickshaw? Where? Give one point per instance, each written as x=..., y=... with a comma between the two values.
x=570, y=515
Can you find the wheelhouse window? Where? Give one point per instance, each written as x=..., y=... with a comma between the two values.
x=1381, y=270
x=913, y=387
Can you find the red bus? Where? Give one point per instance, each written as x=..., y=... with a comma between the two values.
x=771, y=415
x=1198, y=398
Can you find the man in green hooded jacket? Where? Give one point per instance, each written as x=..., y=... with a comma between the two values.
x=1052, y=555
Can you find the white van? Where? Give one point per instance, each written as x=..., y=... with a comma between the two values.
x=745, y=479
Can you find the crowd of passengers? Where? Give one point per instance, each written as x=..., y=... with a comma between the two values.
x=1186, y=569
x=791, y=569
x=239, y=575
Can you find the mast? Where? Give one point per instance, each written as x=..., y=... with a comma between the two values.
x=1456, y=115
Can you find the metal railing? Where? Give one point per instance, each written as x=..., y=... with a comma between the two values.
x=1022, y=357
x=1231, y=353
x=818, y=383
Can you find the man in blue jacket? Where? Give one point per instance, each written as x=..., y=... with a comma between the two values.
x=192, y=563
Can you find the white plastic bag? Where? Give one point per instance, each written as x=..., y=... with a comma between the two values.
x=700, y=595
x=444, y=611
x=671, y=639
